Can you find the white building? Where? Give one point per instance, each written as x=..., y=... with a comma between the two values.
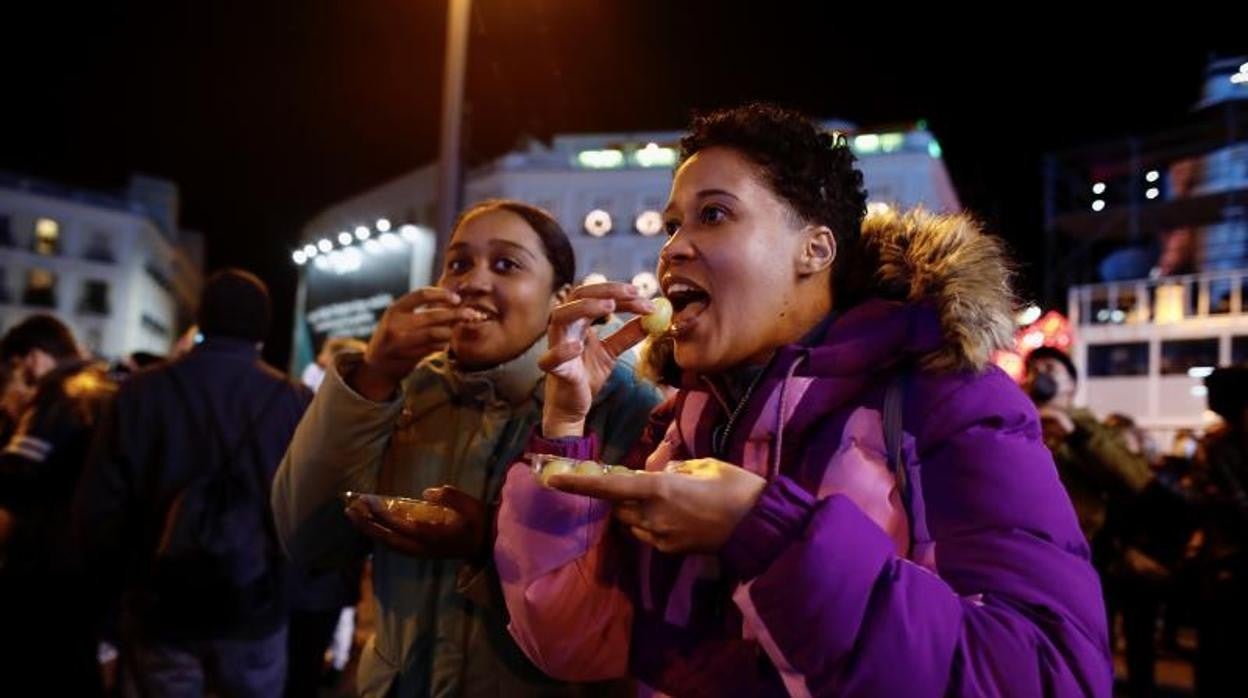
x=1144, y=346
x=605, y=189
x=115, y=268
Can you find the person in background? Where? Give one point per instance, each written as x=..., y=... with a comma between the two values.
x=46, y=596
x=173, y=509
x=15, y=394
x=322, y=605
x=1223, y=559
x=314, y=372
x=1148, y=533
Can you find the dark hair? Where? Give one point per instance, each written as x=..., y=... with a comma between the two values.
x=810, y=169
x=1228, y=394
x=235, y=303
x=1118, y=420
x=1053, y=353
x=555, y=242
x=42, y=332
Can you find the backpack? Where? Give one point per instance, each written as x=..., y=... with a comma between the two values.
x=217, y=562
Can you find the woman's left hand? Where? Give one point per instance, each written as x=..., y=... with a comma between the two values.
x=461, y=536
x=692, y=506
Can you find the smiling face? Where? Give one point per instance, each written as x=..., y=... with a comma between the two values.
x=738, y=265
x=497, y=264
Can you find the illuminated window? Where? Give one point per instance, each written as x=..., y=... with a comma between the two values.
x=40, y=288
x=867, y=143
x=892, y=142
x=607, y=159
x=654, y=155
x=47, y=236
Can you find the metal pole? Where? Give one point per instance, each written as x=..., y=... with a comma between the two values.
x=458, y=12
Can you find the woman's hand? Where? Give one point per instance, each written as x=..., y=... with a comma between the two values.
x=413, y=327
x=461, y=535
x=692, y=506
x=578, y=362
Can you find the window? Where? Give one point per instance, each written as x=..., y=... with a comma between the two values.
x=47, y=236
x=40, y=288
x=154, y=325
x=1178, y=356
x=1129, y=359
x=6, y=237
x=99, y=249
x=1239, y=350
x=94, y=298
x=158, y=276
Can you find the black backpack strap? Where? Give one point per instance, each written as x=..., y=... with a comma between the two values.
x=908, y=477
x=894, y=404
x=263, y=486
x=216, y=435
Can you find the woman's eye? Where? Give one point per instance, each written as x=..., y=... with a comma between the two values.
x=712, y=215
x=503, y=265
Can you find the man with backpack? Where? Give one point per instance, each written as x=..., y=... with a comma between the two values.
x=174, y=505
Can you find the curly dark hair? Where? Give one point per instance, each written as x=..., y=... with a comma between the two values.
x=810, y=169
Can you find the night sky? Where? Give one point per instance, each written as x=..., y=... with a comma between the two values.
x=265, y=113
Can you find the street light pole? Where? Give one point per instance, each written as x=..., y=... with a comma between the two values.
x=458, y=12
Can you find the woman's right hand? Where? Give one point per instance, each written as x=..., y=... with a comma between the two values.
x=413, y=327
x=577, y=362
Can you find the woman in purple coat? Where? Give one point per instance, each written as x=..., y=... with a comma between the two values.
x=845, y=497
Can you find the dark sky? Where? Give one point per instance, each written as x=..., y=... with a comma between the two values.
x=266, y=112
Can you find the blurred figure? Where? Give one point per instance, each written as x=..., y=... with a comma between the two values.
x=15, y=394
x=134, y=362
x=1223, y=561
x=314, y=373
x=1092, y=459
x=1102, y=471
x=1148, y=534
x=1185, y=444
x=1134, y=438
x=49, y=647
x=175, y=506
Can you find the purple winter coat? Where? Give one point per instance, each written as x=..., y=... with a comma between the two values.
x=820, y=590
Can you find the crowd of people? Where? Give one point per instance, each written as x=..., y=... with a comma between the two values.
x=829, y=489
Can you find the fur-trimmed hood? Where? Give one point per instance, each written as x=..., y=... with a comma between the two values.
x=947, y=261
x=942, y=262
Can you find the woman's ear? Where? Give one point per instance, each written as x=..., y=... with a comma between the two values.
x=818, y=250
